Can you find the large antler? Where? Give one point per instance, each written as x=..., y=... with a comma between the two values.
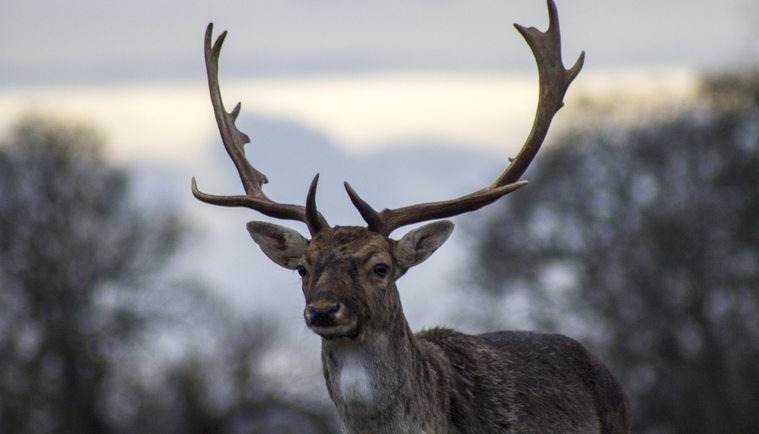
x=234, y=142
x=554, y=80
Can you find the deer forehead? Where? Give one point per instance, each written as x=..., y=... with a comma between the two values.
x=347, y=243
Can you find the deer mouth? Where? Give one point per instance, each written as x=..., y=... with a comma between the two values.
x=349, y=331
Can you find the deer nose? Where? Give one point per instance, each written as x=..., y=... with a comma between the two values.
x=322, y=313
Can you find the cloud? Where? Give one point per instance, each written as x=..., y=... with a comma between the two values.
x=88, y=40
x=487, y=112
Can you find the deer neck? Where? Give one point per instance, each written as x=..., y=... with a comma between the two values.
x=378, y=381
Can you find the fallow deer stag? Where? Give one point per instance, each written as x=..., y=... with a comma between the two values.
x=382, y=377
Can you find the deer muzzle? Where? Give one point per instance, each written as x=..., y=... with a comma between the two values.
x=329, y=317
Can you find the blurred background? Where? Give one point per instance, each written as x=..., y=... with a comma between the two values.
x=128, y=306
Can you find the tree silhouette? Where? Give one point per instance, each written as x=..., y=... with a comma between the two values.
x=73, y=251
x=84, y=292
x=644, y=240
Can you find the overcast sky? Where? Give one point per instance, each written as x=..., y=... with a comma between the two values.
x=367, y=73
x=86, y=41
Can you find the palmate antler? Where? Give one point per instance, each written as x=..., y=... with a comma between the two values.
x=554, y=80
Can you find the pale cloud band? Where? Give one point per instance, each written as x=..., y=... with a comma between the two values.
x=358, y=113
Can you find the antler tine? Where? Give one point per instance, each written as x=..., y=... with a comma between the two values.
x=234, y=142
x=554, y=80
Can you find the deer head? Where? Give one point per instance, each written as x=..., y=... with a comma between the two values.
x=349, y=273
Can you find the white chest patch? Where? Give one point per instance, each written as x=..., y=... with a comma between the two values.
x=354, y=383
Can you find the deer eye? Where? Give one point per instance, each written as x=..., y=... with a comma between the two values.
x=301, y=271
x=381, y=270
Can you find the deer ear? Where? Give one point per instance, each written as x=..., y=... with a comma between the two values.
x=282, y=245
x=417, y=245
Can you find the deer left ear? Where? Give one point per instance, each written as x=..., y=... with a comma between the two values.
x=418, y=245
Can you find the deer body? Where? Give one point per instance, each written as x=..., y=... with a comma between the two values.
x=430, y=383
x=385, y=379
x=382, y=377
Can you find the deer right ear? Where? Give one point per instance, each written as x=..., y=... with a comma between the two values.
x=416, y=246
x=282, y=245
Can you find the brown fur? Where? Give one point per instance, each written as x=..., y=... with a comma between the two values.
x=385, y=379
